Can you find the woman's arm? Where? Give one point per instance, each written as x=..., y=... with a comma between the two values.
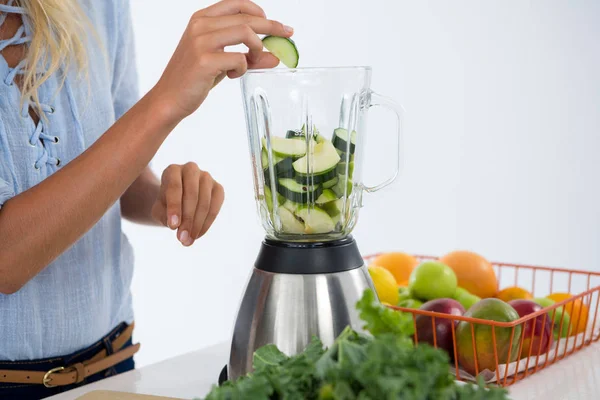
x=138, y=199
x=39, y=224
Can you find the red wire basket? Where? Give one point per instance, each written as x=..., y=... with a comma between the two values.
x=492, y=356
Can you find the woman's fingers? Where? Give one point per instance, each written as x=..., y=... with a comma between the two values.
x=259, y=25
x=190, y=197
x=266, y=60
x=234, y=35
x=216, y=201
x=228, y=7
x=232, y=64
x=206, y=184
x=171, y=192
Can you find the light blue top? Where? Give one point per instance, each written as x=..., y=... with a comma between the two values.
x=82, y=295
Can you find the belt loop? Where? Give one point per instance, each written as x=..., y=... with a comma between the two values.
x=108, y=346
x=79, y=368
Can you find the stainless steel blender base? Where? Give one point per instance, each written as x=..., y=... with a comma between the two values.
x=289, y=309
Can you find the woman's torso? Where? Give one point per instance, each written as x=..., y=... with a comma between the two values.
x=86, y=291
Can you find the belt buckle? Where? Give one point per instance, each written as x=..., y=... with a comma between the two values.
x=47, y=379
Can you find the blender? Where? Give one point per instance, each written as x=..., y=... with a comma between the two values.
x=307, y=134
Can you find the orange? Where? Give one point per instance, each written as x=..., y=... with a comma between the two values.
x=474, y=273
x=385, y=284
x=514, y=293
x=403, y=284
x=576, y=309
x=399, y=264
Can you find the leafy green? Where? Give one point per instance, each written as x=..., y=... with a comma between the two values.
x=385, y=365
x=379, y=320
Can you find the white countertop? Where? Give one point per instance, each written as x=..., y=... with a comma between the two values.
x=577, y=377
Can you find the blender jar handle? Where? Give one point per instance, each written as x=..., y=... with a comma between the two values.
x=382, y=101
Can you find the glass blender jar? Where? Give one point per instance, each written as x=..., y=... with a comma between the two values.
x=306, y=132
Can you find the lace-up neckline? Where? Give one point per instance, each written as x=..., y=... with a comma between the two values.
x=39, y=137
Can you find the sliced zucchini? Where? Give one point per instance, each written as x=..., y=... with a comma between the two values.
x=340, y=140
x=315, y=220
x=327, y=196
x=323, y=159
x=286, y=147
x=298, y=193
x=282, y=48
x=314, y=179
x=289, y=223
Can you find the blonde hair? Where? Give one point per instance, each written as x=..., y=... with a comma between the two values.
x=58, y=29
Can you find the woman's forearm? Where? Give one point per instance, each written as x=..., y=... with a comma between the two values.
x=39, y=224
x=137, y=201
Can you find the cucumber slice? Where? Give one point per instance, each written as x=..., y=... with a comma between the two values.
x=327, y=196
x=323, y=159
x=341, y=168
x=286, y=147
x=295, y=135
x=330, y=183
x=298, y=193
x=282, y=48
x=340, y=140
x=333, y=208
x=289, y=223
x=315, y=220
x=343, y=155
x=338, y=189
x=315, y=179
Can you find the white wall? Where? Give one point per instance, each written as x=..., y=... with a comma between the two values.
x=502, y=102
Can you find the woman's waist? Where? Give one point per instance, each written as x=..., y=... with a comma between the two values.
x=111, y=349
x=41, y=329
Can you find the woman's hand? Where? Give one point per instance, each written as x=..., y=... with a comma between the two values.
x=189, y=201
x=200, y=60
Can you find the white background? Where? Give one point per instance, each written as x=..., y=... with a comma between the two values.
x=502, y=127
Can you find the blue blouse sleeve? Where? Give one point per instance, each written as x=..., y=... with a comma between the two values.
x=125, y=91
x=6, y=192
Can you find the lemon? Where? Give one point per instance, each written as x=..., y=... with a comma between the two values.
x=385, y=284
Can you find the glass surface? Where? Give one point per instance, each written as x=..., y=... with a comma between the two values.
x=306, y=132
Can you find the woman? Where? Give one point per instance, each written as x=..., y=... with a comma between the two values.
x=75, y=144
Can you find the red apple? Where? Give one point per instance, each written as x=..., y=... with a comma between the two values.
x=443, y=326
x=533, y=328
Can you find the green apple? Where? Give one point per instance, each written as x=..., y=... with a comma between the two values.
x=432, y=280
x=560, y=314
x=465, y=298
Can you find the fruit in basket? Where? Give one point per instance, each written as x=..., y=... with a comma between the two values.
x=385, y=284
x=514, y=293
x=474, y=273
x=537, y=335
x=494, y=310
x=558, y=314
x=443, y=326
x=465, y=298
x=576, y=310
x=399, y=264
x=410, y=303
x=432, y=280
